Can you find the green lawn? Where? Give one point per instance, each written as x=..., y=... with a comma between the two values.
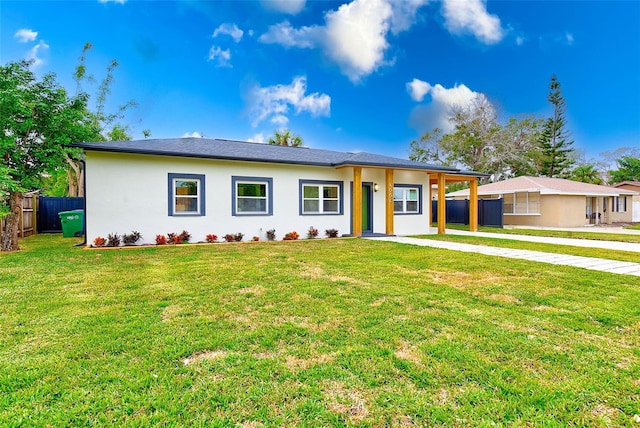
x=343, y=332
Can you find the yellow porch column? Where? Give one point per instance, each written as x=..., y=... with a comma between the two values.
x=388, y=180
x=357, y=201
x=442, y=212
x=473, y=205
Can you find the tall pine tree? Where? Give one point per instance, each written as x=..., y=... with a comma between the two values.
x=558, y=154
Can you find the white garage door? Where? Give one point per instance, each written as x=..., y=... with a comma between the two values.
x=635, y=211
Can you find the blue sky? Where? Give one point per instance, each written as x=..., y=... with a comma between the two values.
x=367, y=75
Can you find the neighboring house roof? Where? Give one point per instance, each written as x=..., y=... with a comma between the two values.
x=628, y=185
x=544, y=185
x=258, y=152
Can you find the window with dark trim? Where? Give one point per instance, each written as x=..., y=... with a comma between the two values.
x=407, y=199
x=186, y=194
x=319, y=197
x=251, y=196
x=619, y=204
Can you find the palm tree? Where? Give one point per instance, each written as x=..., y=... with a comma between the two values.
x=586, y=173
x=284, y=138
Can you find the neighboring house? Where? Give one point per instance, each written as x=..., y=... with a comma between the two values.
x=633, y=186
x=556, y=202
x=220, y=187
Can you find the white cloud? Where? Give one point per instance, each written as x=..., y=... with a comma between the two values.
x=194, y=134
x=229, y=30
x=435, y=114
x=275, y=102
x=113, y=1
x=285, y=6
x=354, y=36
x=520, y=40
x=569, y=38
x=221, y=56
x=404, y=14
x=418, y=89
x=25, y=35
x=284, y=34
x=35, y=53
x=550, y=40
x=258, y=138
x=471, y=16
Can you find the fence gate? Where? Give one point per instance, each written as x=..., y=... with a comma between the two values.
x=48, y=209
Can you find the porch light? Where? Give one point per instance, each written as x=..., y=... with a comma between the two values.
x=375, y=187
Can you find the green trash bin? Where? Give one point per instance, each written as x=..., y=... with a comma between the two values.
x=72, y=223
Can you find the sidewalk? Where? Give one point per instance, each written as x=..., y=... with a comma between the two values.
x=591, y=263
x=588, y=243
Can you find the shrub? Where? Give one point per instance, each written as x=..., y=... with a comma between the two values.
x=131, y=238
x=238, y=237
x=312, y=233
x=256, y=238
x=211, y=238
x=291, y=236
x=161, y=240
x=271, y=234
x=113, y=240
x=185, y=236
x=99, y=242
x=177, y=239
x=171, y=238
x=229, y=237
x=331, y=233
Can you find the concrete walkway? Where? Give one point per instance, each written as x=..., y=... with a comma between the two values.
x=591, y=263
x=587, y=243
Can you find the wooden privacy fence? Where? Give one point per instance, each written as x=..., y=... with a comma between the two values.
x=28, y=219
x=40, y=214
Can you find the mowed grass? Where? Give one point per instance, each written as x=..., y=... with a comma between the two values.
x=343, y=332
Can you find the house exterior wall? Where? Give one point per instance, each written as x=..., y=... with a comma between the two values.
x=127, y=192
x=633, y=203
x=555, y=211
x=621, y=217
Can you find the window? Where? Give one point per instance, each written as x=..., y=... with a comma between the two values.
x=407, y=199
x=619, y=204
x=186, y=195
x=320, y=197
x=252, y=196
x=522, y=203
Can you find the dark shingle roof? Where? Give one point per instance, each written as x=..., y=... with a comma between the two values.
x=257, y=152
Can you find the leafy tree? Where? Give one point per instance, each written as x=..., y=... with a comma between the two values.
x=628, y=170
x=285, y=138
x=555, y=145
x=38, y=116
x=481, y=143
x=106, y=125
x=475, y=135
x=586, y=173
x=515, y=153
x=428, y=148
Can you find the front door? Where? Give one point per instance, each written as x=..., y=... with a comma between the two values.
x=367, y=211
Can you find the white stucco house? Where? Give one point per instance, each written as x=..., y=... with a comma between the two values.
x=213, y=186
